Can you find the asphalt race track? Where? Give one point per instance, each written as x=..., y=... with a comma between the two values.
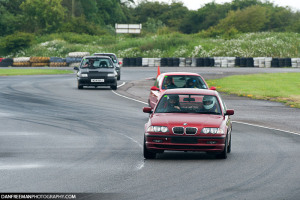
x=56, y=138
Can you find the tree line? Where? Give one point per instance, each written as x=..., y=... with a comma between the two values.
x=97, y=17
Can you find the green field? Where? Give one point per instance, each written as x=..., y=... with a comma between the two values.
x=280, y=87
x=16, y=72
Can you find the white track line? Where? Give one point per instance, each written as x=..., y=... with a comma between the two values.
x=140, y=164
x=266, y=127
x=294, y=133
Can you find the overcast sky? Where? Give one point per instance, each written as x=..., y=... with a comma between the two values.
x=196, y=4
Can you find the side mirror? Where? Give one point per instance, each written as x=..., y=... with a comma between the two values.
x=213, y=88
x=154, y=88
x=147, y=110
x=229, y=112
x=120, y=63
x=76, y=68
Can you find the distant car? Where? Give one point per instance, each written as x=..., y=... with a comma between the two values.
x=188, y=120
x=96, y=71
x=174, y=80
x=115, y=60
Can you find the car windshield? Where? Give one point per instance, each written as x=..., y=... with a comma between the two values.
x=96, y=63
x=187, y=103
x=112, y=57
x=183, y=81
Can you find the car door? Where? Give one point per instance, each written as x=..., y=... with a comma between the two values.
x=155, y=92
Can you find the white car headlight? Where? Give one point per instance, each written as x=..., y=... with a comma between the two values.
x=212, y=131
x=83, y=75
x=156, y=129
x=111, y=75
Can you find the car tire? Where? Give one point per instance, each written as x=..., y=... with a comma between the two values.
x=223, y=155
x=114, y=87
x=229, y=145
x=119, y=77
x=79, y=86
x=148, y=154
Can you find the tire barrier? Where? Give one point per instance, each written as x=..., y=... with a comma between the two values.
x=237, y=61
x=139, y=61
x=157, y=61
x=145, y=62
x=275, y=62
x=295, y=62
x=21, y=62
x=188, y=62
x=225, y=62
x=176, y=62
x=181, y=62
x=21, y=59
x=170, y=62
x=58, y=62
x=132, y=62
x=164, y=62
x=39, y=59
x=36, y=64
x=78, y=54
x=125, y=62
x=244, y=62
x=151, y=62
x=71, y=60
x=6, y=62
x=194, y=62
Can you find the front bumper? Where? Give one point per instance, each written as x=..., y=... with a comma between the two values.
x=185, y=143
x=86, y=81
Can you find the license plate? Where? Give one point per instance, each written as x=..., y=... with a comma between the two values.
x=97, y=80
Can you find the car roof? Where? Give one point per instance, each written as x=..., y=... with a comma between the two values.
x=179, y=73
x=96, y=57
x=194, y=91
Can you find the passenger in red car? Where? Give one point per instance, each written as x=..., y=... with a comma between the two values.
x=209, y=104
x=191, y=83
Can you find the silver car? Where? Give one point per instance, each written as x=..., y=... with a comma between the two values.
x=114, y=59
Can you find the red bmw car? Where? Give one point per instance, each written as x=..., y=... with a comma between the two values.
x=188, y=120
x=175, y=80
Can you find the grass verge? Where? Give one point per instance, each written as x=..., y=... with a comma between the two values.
x=16, y=72
x=280, y=87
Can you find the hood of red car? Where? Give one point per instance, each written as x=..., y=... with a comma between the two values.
x=191, y=119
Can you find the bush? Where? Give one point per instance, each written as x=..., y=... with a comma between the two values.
x=81, y=26
x=16, y=41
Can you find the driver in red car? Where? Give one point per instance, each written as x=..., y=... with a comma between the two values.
x=169, y=83
x=173, y=103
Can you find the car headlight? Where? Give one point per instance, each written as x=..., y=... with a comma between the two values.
x=111, y=75
x=212, y=131
x=83, y=75
x=156, y=129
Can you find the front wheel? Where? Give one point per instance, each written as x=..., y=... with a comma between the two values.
x=148, y=154
x=79, y=86
x=113, y=87
x=223, y=155
x=229, y=145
